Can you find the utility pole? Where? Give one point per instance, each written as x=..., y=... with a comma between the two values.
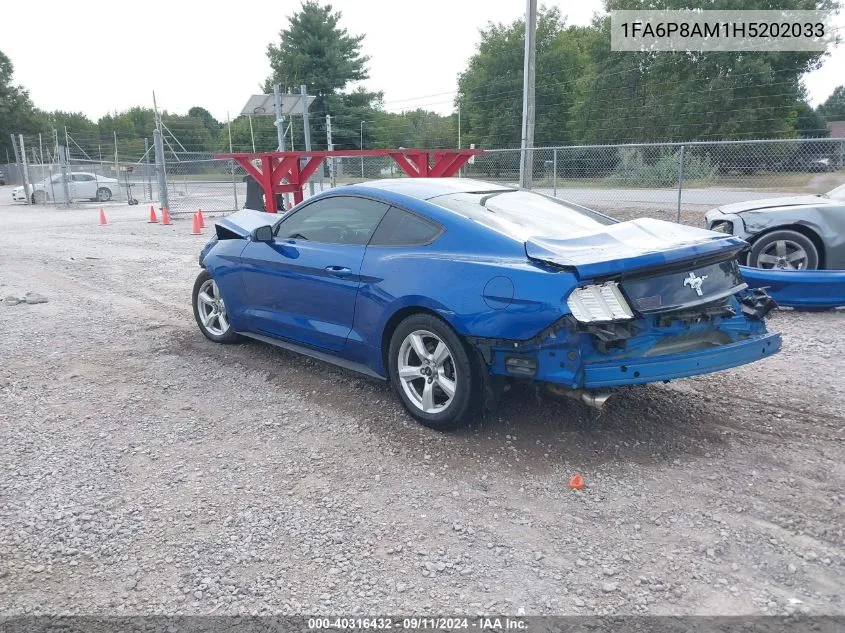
x=307, y=126
x=362, y=147
x=280, y=128
x=460, y=171
x=528, y=107
x=330, y=146
x=459, y=121
x=280, y=120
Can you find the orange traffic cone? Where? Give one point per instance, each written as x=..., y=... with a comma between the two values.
x=153, y=219
x=103, y=220
x=576, y=482
x=201, y=219
x=165, y=216
x=195, y=225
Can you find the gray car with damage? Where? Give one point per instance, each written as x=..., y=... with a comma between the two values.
x=794, y=233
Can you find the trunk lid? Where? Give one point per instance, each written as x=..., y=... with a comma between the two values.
x=632, y=246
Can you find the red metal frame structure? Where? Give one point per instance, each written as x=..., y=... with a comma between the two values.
x=286, y=172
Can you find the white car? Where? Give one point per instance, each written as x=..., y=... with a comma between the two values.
x=81, y=186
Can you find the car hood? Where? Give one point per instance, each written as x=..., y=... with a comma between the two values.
x=244, y=222
x=776, y=203
x=631, y=246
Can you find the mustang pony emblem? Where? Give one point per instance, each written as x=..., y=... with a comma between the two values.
x=695, y=283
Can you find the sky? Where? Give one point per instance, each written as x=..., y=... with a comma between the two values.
x=98, y=57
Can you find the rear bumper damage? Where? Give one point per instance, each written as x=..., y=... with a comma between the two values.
x=636, y=371
x=585, y=361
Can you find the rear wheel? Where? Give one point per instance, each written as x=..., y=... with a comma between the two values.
x=784, y=250
x=210, y=311
x=432, y=373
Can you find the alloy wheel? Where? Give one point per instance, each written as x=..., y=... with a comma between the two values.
x=212, y=310
x=426, y=370
x=784, y=255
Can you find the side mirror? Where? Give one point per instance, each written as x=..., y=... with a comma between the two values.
x=263, y=234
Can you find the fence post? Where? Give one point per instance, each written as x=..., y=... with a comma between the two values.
x=147, y=168
x=161, y=175
x=25, y=168
x=63, y=165
x=117, y=166
x=554, y=172
x=20, y=168
x=232, y=163
x=680, y=180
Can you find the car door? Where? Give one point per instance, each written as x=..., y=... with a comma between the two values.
x=55, y=188
x=84, y=186
x=302, y=286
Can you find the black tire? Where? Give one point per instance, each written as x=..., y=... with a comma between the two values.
x=760, y=254
x=103, y=194
x=227, y=336
x=466, y=402
x=39, y=197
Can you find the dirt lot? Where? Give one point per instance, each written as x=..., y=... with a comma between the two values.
x=144, y=469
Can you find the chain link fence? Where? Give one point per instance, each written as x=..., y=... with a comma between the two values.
x=665, y=180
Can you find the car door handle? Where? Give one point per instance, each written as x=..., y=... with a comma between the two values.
x=339, y=271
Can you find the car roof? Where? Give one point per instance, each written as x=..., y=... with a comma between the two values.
x=427, y=188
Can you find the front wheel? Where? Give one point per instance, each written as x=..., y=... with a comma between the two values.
x=103, y=194
x=39, y=197
x=210, y=311
x=784, y=250
x=432, y=373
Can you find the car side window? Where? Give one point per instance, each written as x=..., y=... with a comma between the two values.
x=402, y=228
x=334, y=220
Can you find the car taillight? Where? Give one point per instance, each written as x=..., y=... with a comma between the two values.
x=599, y=303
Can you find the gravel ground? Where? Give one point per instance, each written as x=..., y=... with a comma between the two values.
x=145, y=469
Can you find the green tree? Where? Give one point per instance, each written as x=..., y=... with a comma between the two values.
x=17, y=113
x=808, y=122
x=833, y=109
x=690, y=95
x=316, y=51
x=209, y=122
x=491, y=86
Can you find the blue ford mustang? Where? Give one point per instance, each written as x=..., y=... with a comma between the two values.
x=448, y=288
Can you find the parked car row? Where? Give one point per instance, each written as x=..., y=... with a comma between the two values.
x=80, y=186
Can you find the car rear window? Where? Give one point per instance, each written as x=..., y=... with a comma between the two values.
x=400, y=228
x=524, y=214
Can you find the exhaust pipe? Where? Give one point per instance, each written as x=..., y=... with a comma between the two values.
x=593, y=399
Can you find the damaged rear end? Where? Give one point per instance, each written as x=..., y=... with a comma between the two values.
x=654, y=301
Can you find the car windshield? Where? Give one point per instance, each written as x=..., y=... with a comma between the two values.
x=837, y=194
x=524, y=214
